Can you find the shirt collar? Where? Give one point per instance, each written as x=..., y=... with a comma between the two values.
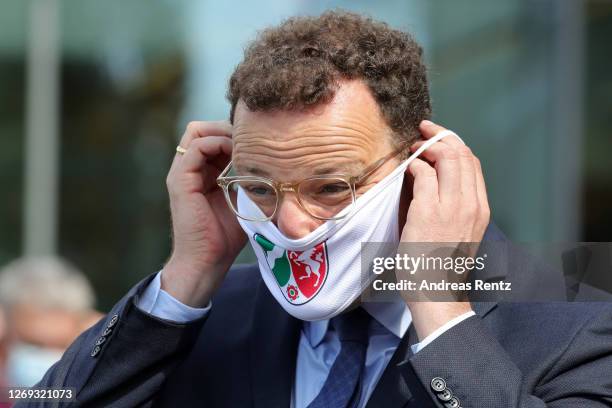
x=394, y=316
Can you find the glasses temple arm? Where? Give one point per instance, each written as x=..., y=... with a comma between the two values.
x=375, y=166
x=225, y=171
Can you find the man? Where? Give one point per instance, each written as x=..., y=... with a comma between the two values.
x=325, y=111
x=48, y=303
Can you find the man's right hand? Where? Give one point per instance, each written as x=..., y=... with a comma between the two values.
x=206, y=234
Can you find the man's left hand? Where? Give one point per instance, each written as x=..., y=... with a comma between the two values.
x=449, y=205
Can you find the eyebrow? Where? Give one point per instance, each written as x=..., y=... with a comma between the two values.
x=348, y=168
x=256, y=171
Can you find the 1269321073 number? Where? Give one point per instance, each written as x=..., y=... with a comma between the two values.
x=14, y=394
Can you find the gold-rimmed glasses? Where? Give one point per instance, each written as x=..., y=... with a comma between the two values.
x=322, y=197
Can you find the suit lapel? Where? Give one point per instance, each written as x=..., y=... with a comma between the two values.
x=483, y=308
x=273, y=351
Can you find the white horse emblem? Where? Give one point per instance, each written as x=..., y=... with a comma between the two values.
x=311, y=266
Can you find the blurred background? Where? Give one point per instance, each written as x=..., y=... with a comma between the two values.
x=94, y=96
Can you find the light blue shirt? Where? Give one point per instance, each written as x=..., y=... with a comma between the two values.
x=319, y=344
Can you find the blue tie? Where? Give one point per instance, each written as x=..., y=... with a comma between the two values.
x=343, y=384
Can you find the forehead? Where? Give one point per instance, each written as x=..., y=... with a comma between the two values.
x=347, y=132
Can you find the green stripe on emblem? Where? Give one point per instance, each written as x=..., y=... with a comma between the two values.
x=277, y=260
x=281, y=270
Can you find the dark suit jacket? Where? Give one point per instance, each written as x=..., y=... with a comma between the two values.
x=243, y=354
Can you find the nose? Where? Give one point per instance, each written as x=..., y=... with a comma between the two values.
x=292, y=220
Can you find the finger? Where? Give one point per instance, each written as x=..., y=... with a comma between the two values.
x=417, y=145
x=429, y=129
x=447, y=163
x=481, y=188
x=432, y=152
x=468, y=170
x=425, y=184
x=197, y=129
x=468, y=175
x=206, y=149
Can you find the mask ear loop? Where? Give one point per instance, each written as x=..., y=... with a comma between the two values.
x=439, y=136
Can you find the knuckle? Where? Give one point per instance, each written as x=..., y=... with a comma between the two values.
x=471, y=209
x=192, y=127
x=485, y=212
x=170, y=187
x=449, y=154
x=203, y=144
x=465, y=151
x=197, y=142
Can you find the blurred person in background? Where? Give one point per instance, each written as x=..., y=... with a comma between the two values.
x=47, y=303
x=3, y=381
x=2, y=348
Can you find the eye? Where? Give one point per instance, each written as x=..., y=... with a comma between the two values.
x=333, y=188
x=259, y=190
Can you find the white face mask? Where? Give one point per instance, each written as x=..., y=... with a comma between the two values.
x=27, y=363
x=318, y=276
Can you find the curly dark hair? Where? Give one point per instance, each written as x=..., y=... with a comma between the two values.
x=298, y=64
